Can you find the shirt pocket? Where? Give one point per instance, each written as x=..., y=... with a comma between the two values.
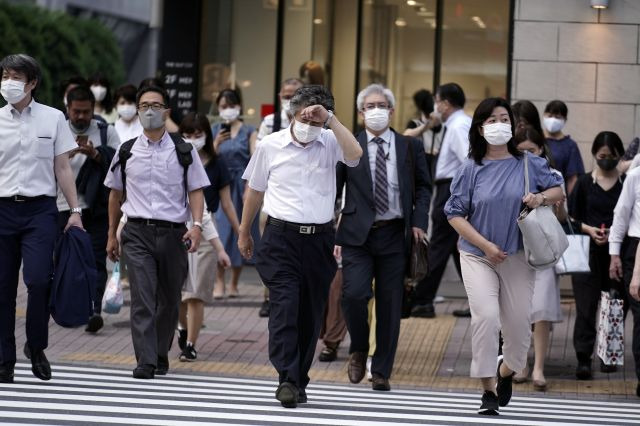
x=321, y=180
x=44, y=147
x=172, y=177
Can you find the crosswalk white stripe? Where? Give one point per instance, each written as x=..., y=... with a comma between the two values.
x=172, y=377
x=344, y=397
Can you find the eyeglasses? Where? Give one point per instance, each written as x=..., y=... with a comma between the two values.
x=373, y=105
x=154, y=106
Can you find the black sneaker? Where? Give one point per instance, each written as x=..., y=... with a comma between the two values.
x=95, y=324
x=182, y=338
x=489, y=406
x=583, y=370
x=504, y=387
x=264, y=309
x=423, y=311
x=188, y=354
x=605, y=368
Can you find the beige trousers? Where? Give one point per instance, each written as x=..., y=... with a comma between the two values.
x=500, y=297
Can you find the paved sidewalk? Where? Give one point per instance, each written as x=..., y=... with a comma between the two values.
x=432, y=353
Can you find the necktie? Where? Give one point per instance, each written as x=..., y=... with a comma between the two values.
x=381, y=195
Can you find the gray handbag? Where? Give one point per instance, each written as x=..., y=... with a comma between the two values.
x=543, y=238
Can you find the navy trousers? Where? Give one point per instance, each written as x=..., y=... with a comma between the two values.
x=28, y=232
x=298, y=270
x=97, y=226
x=382, y=257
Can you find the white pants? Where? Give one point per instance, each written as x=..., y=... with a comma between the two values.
x=500, y=297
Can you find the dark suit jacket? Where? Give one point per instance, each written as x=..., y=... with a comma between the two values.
x=415, y=192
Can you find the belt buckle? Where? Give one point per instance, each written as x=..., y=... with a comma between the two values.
x=307, y=230
x=149, y=223
x=18, y=199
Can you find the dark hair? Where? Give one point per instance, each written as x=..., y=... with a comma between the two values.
x=313, y=71
x=81, y=94
x=193, y=122
x=453, y=93
x=24, y=64
x=232, y=96
x=128, y=92
x=151, y=81
x=529, y=133
x=557, y=107
x=477, y=142
x=107, y=102
x=610, y=140
x=424, y=101
x=75, y=80
x=312, y=94
x=527, y=110
x=154, y=89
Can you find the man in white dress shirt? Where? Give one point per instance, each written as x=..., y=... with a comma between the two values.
x=34, y=145
x=623, y=244
x=293, y=170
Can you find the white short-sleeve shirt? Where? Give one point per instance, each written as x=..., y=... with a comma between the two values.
x=29, y=141
x=299, y=182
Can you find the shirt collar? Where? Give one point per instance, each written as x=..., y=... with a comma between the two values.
x=386, y=136
x=28, y=109
x=288, y=138
x=147, y=142
x=453, y=117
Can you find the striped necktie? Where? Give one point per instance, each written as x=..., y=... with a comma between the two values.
x=381, y=193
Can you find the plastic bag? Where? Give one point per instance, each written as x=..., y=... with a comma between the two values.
x=113, y=297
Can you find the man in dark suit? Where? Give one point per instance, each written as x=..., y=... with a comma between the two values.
x=386, y=206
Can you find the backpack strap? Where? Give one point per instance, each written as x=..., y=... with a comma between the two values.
x=124, y=153
x=103, y=127
x=183, y=151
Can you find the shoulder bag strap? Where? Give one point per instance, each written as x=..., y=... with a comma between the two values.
x=526, y=174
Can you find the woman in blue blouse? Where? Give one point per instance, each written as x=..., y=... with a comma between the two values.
x=487, y=195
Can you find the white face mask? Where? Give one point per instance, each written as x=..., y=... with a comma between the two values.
x=305, y=133
x=230, y=114
x=127, y=111
x=552, y=124
x=436, y=113
x=376, y=119
x=286, y=104
x=12, y=91
x=197, y=143
x=99, y=92
x=497, y=133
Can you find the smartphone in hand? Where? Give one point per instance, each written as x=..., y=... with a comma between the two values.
x=82, y=139
x=226, y=127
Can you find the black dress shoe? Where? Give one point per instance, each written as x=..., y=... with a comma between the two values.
x=357, y=367
x=583, y=371
x=95, y=324
x=423, y=311
x=328, y=354
x=143, y=372
x=40, y=366
x=6, y=373
x=287, y=393
x=379, y=383
x=162, y=366
x=462, y=313
x=605, y=368
x=264, y=309
x=302, y=396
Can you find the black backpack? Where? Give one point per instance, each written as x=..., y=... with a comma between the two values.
x=183, y=151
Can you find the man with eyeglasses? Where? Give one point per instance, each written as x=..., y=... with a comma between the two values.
x=449, y=104
x=386, y=208
x=151, y=187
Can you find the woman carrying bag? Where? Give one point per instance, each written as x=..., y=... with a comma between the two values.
x=591, y=204
x=486, y=200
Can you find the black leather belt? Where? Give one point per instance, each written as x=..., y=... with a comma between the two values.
x=22, y=199
x=446, y=181
x=381, y=223
x=301, y=228
x=155, y=222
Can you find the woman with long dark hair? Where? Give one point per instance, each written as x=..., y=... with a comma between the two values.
x=487, y=195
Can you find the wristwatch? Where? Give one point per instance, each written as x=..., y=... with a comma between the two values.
x=76, y=210
x=198, y=224
x=326, y=122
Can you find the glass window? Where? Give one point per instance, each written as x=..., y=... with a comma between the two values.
x=397, y=50
x=475, y=46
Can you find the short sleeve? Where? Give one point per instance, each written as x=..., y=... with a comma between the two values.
x=113, y=140
x=543, y=176
x=65, y=141
x=460, y=145
x=196, y=175
x=257, y=171
x=459, y=203
x=113, y=179
x=574, y=161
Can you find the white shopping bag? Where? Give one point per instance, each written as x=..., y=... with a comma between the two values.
x=610, y=341
x=113, y=296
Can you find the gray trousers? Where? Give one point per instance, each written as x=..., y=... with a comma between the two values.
x=157, y=262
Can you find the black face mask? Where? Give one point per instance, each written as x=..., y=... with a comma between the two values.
x=607, y=164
